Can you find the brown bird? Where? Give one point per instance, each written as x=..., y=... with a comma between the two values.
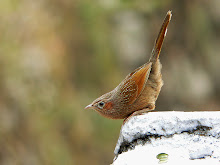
x=138, y=92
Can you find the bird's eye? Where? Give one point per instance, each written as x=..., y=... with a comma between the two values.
x=101, y=104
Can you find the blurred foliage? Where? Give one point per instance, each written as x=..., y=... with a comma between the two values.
x=57, y=56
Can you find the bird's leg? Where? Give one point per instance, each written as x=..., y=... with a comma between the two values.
x=150, y=107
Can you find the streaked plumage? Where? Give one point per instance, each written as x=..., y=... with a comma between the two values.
x=139, y=90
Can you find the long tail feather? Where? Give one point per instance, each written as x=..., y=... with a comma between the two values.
x=160, y=38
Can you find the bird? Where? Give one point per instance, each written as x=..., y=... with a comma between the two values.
x=138, y=92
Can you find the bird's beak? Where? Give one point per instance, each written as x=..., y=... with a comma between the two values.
x=88, y=106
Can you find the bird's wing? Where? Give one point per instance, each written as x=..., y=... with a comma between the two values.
x=134, y=83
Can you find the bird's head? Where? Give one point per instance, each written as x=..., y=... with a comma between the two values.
x=103, y=104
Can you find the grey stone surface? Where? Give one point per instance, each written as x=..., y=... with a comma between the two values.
x=184, y=136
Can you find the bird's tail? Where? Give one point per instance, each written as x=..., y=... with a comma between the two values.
x=159, y=41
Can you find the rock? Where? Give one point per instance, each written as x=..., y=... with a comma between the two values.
x=171, y=138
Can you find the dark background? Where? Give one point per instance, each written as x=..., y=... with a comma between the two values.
x=57, y=56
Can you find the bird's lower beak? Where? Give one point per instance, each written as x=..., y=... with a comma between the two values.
x=88, y=106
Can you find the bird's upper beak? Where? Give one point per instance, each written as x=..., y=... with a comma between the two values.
x=88, y=106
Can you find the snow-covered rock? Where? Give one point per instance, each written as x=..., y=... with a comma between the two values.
x=171, y=138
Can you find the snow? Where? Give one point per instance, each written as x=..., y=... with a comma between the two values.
x=185, y=136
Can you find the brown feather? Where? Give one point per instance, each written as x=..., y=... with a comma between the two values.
x=159, y=41
x=139, y=90
x=132, y=86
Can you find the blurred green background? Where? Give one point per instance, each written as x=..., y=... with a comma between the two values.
x=57, y=56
